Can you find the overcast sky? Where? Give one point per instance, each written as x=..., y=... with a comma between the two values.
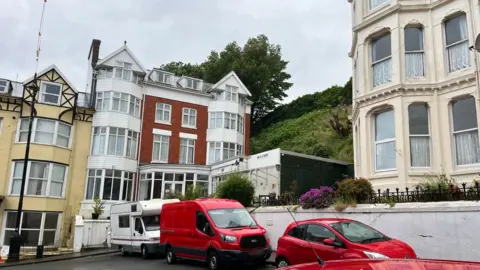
x=315, y=35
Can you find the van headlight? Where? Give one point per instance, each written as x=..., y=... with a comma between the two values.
x=375, y=255
x=228, y=238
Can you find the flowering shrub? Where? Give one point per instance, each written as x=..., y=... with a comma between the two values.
x=317, y=198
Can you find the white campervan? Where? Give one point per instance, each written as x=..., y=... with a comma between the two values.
x=135, y=226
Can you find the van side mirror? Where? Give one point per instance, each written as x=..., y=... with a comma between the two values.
x=331, y=242
x=207, y=229
x=140, y=230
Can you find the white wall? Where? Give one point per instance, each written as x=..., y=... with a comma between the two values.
x=444, y=230
x=91, y=233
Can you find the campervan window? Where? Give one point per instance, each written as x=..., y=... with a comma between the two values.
x=124, y=221
x=151, y=223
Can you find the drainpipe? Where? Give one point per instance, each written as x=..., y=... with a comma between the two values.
x=137, y=182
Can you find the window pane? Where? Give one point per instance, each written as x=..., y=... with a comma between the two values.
x=39, y=170
x=467, y=147
x=48, y=238
x=385, y=156
x=52, y=89
x=11, y=220
x=58, y=173
x=51, y=220
x=413, y=39
x=31, y=220
x=376, y=3
x=464, y=114
x=420, y=151
x=456, y=29
x=30, y=237
x=381, y=48
x=384, y=126
x=418, y=119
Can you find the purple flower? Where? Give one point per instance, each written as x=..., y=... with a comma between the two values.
x=317, y=197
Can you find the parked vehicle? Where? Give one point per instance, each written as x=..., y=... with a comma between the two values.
x=217, y=231
x=393, y=264
x=135, y=226
x=336, y=239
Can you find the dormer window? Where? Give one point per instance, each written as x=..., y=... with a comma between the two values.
x=164, y=77
x=3, y=86
x=123, y=70
x=231, y=93
x=193, y=84
x=50, y=93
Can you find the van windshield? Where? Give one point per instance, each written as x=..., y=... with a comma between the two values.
x=231, y=218
x=151, y=223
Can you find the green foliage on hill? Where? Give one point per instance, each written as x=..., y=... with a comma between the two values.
x=315, y=124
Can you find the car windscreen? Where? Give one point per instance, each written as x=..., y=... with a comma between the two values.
x=357, y=232
x=151, y=223
x=231, y=218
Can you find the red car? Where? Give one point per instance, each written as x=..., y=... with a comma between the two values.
x=336, y=239
x=391, y=264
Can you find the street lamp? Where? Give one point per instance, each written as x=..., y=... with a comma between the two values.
x=16, y=240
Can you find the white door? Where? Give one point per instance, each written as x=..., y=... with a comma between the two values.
x=138, y=233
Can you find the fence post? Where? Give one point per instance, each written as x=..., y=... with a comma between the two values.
x=78, y=234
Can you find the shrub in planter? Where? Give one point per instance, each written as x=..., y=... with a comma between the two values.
x=359, y=189
x=317, y=198
x=173, y=195
x=236, y=187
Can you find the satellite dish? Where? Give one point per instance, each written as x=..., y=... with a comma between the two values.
x=477, y=44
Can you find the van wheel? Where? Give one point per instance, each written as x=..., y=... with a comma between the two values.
x=282, y=262
x=123, y=252
x=145, y=254
x=213, y=261
x=171, y=258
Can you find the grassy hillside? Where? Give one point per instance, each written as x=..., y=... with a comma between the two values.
x=310, y=134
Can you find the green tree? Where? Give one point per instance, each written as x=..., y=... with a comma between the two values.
x=259, y=64
x=237, y=187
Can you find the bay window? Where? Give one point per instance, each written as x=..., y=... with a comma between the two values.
x=43, y=179
x=465, y=131
x=382, y=60
x=118, y=102
x=45, y=131
x=215, y=120
x=240, y=124
x=154, y=185
x=114, y=141
x=376, y=3
x=456, y=35
x=218, y=151
x=123, y=70
x=419, y=135
x=36, y=228
x=109, y=185
x=384, y=141
x=230, y=121
x=414, y=52
x=187, y=151
x=214, y=152
x=160, y=148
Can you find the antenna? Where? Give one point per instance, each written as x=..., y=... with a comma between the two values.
x=477, y=44
x=319, y=260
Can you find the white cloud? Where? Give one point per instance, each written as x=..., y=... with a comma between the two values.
x=315, y=35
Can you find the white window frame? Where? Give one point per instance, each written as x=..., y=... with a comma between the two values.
x=41, y=229
x=34, y=131
x=106, y=132
x=230, y=121
x=230, y=93
x=49, y=179
x=102, y=178
x=193, y=84
x=214, y=148
x=215, y=120
x=455, y=43
x=132, y=144
x=163, y=139
x=420, y=136
x=373, y=6
x=422, y=51
x=124, y=70
x=42, y=93
x=105, y=73
x=164, y=77
x=187, y=144
x=104, y=102
x=379, y=61
x=4, y=88
x=231, y=152
x=117, y=136
x=453, y=133
x=163, y=108
x=375, y=143
x=240, y=124
x=186, y=114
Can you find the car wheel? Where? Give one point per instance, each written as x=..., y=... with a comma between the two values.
x=170, y=256
x=123, y=252
x=213, y=261
x=145, y=253
x=282, y=262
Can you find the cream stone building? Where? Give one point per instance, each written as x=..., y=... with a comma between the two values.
x=415, y=90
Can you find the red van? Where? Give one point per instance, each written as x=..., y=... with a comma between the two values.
x=336, y=239
x=217, y=231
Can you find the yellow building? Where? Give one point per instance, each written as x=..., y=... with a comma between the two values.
x=56, y=171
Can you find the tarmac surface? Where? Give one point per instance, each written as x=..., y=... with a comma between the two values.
x=116, y=262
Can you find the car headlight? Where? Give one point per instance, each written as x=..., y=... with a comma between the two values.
x=228, y=238
x=375, y=255
x=267, y=236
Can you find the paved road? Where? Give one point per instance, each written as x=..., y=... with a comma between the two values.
x=117, y=262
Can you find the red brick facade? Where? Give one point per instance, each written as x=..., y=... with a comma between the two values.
x=246, y=144
x=175, y=127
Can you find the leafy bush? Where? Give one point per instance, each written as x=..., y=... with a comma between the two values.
x=436, y=182
x=317, y=198
x=173, y=195
x=192, y=193
x=236, y=187
x=359, y=189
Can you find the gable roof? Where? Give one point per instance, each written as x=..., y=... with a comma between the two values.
x=232, y=73
x=119, y=50
x=46, y=70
